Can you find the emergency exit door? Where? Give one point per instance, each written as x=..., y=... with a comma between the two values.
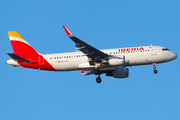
x=41, y=60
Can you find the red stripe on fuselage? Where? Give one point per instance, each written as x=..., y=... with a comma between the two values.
x=41, y=66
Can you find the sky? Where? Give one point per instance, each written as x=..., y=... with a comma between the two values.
x=28, y=94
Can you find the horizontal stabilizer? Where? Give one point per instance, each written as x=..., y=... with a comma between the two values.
x=19, y=59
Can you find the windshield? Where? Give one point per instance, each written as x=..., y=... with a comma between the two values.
x=165, y=49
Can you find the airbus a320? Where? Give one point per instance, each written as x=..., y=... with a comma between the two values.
x=112, y=62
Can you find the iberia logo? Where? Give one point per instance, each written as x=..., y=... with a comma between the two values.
x=130, y=49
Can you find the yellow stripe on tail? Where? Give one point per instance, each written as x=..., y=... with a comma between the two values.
x=15, y=34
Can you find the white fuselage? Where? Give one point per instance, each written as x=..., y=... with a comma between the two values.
x=133, y=56
x=112, y=62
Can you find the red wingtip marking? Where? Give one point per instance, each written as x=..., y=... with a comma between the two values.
x=67, y=31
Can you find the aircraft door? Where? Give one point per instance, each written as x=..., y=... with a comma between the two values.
x=153, y=50
x=41, y=60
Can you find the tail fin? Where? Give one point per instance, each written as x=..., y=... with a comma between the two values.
x=21, y=47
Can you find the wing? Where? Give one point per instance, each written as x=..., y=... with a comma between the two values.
x=92, y=53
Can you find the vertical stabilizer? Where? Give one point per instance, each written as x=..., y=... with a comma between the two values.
x=21, y=47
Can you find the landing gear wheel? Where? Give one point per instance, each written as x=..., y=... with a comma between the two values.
x=155, y=71
x=154, y=66
x=98, y=80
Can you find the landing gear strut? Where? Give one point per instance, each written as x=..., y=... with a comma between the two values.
x=96, y=72
x=154, y=66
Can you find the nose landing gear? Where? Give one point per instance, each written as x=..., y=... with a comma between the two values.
x=155, y=71
x=154, y=66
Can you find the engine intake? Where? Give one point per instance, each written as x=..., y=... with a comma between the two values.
x=119, y=73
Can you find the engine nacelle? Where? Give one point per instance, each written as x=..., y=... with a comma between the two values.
x=119, y=73
x=117, y=60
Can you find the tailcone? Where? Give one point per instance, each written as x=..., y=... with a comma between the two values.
x=12, y=62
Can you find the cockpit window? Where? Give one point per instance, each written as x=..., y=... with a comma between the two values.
x=165, y=49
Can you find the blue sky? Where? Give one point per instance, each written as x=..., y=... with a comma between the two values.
x=27, y=94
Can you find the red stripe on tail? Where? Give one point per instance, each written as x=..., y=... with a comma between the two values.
x=24, y=50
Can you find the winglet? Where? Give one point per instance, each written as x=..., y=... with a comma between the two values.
x=67, y=31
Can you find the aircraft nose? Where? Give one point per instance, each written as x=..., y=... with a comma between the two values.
x=174, y=55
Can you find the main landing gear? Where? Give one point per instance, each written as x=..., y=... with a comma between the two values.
x=96, y=72
x=154, y=66
x=98, y=79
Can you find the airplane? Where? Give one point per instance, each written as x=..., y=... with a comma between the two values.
x=112, y=62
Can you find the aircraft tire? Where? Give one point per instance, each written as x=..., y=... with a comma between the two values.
x=155, y=71
x=98, y=80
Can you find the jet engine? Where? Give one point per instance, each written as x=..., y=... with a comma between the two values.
x=116, y=61
x=119, y=73
x=120, y=60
